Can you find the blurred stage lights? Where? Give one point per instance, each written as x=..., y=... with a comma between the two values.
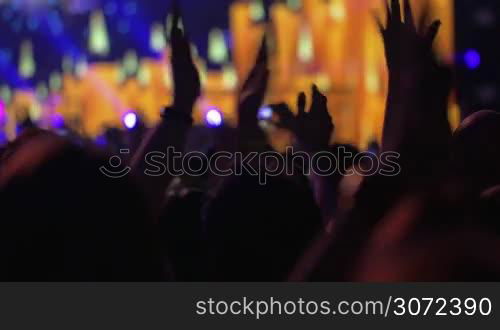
x=130, y=120
x=57, y=121
x=213, y=117
x=3, y=115
x=472, y=59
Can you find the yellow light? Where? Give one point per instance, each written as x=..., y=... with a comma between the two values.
x=98, y=36
x=81, y=67
x=130, y=62
x=217, y=49
x=257, y=11
x=27, y=66
x=294, y=4
x=323, y=82
x=5, y=93
x=305, y=51
x=167, y=79
x=202, y=69
x=454, y=116
x=229, y=77
x=337, y=10
x=35, y=112
x=372, y=82
x=120, y=75
x=55, y=81
x=157, y=39
x=144, y=75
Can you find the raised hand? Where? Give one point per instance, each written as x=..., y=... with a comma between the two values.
x=253, y=91
x=406, y=45
x=314, y=128
x=416, y=116
x=187, y=86
x=172, y=131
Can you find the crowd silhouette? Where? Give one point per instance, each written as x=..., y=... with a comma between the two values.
x=437, y=220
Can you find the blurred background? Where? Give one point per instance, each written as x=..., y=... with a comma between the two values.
x=94, y=64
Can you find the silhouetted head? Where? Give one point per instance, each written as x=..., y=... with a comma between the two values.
x=63, y=220
x=257, y=231
x=476, y=151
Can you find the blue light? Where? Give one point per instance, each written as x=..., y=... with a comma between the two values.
x=57, y=121
x=472, y=59
x=213, y=118
x=101, y=141
x=265, y=113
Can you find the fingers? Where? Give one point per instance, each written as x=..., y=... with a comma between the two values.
x=396, y=11
x=301, y=103
x=432, y=31
x=180, y=43
x=317, y=95
x=176, y=13
x=409, y=19
x=387, y=11
x=319, y=101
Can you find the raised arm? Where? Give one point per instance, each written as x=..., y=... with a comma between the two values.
x=176, y=121
x=412, y=68
x=250, y=98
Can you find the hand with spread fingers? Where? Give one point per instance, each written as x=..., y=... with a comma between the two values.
x=419, y=85
x=314, y=128
x=406, y=45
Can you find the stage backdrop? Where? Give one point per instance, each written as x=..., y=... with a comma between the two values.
x=333, y=43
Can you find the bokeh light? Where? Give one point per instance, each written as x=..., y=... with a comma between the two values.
x=57, y=121
x=213, y=117
x=130, y=120
x=472, y=59
x=265, y=113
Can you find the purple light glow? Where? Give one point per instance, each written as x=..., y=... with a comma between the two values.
x=3, y=115
x=472, y=59
x=57, y=121
x=130, y=120
x=213, y=117
x=265, y=113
